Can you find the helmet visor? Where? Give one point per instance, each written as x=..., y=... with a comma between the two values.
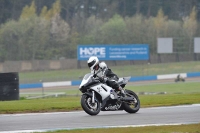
x=91, y=63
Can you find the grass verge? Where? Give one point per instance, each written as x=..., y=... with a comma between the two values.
x=73, y=103
x=191, y=128
x=172, y=88
x=121, y=71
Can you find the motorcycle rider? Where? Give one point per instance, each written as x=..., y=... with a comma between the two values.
x=105, y=74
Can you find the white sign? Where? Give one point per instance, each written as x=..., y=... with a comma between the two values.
x=197, y=45
x=164, y=45
x=114, y=52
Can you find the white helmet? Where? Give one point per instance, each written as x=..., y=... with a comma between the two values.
x=102, y=65
x=92, y=62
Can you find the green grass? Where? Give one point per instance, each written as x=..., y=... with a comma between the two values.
x=169, y=100
x=73, y=103
x=121, y=71
x=40, y=105
x=174, y=88
x=191, y=128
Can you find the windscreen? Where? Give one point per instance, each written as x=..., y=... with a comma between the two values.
x=87, y=76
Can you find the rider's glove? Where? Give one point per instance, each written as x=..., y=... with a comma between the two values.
x=101, y=79
x=94, y=75
x=105, y=79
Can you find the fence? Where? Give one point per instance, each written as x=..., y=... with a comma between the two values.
x=45, y=65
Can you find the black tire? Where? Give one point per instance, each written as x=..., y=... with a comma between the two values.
x=127, y=106
x=87, y=108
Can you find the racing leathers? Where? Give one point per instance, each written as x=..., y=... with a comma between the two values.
x=106, y=75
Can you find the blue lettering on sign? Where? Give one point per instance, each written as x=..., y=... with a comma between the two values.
x=114, y=52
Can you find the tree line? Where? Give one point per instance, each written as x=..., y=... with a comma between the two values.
x=104, y=9
x=52, y=29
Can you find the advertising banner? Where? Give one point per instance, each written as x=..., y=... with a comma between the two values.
x=114, y=52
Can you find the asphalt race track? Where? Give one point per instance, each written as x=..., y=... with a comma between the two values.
x=173, y=115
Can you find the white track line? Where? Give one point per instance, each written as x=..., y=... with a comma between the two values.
x=178, y=106
x=49, y=113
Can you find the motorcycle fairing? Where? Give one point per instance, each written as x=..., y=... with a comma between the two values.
x=103, y=90
x=111, y=105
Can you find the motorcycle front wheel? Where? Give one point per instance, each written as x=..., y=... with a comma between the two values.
x=132, y=106
x=89, y=107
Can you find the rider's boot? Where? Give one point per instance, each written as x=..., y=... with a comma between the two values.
x=122, y=91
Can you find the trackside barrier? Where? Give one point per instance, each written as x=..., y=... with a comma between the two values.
x=29, y=86
x=171, y=76
x=54, y=84
x=143, y=78
x=193, y=74
x=76, y=82
x=133, y=79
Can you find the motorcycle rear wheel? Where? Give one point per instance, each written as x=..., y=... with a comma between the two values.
x=132, y=107
x=89, y=107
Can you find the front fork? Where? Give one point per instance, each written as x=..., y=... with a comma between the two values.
x=134, y=99
x=93, y=96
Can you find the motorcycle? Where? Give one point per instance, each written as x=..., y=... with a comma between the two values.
x=179, y=78
x=97, y=96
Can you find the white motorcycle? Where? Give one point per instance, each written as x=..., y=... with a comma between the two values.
x=98, y=96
